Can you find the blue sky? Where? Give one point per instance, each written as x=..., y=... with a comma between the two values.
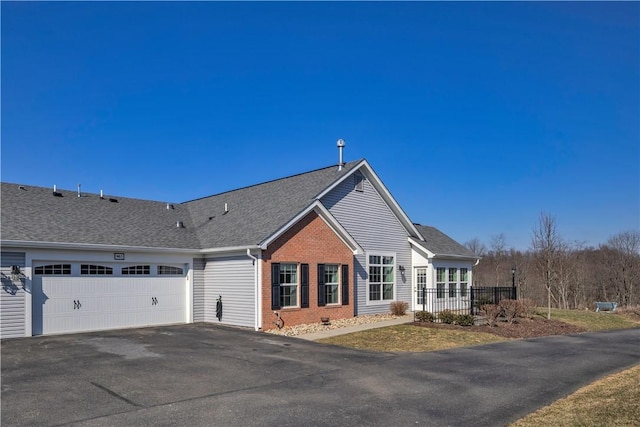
x=477, y=116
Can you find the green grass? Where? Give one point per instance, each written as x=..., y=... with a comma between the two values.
x=613, y=401
x=590, y=320
x=408, y=338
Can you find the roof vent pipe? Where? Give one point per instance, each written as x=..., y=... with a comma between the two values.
x=55, y=188
x=226, y=208
x=101, y=195
x=79, y=194
x=179, y=224
x=340, y=148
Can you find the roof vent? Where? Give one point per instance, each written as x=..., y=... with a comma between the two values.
x=170, y=206
x=179, y=224
x=112, y=200
x=79, y=193
x=340, y=148
x=55, y=191
x=22, y=187
x=101, y=195
x=226, y=209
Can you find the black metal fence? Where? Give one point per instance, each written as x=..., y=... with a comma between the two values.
x=462, y=301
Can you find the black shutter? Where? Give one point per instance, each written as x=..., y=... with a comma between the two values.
x=304, y=285
x=345, y=284
x=275, y=286
x=321, y=300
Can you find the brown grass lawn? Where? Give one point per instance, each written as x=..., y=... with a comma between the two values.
x=404, y=338
x=613, y=401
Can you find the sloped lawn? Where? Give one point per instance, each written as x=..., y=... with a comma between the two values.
x=612, y=401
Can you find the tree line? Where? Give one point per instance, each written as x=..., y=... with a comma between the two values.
x=556, y=273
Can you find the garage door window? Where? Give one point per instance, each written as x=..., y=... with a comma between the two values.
x=136, y=270
x=54, y=269
x=90, y=269
x=168, y=270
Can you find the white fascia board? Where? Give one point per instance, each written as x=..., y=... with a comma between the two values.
x=228, y=249
x=365, y=167
x=338, y=229
x=420, y=245
x=92, y=247
x=327, y=217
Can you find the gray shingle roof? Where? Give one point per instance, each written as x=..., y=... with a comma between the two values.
x=35, y=214
x=441, y=244
x=254, y=213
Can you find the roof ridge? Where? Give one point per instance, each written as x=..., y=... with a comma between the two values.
x=87, y=193
x=269, y=182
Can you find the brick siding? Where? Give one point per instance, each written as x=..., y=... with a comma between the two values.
x=311, y=241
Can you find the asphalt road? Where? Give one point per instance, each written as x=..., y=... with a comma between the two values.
x=208, y=375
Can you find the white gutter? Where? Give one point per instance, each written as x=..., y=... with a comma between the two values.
x=227, y=249
x=258, y=295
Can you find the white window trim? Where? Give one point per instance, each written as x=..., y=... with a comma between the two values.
x=339, y=283
x=286, y=307
x=395, y=278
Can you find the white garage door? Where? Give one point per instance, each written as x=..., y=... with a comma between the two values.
x=75, y=304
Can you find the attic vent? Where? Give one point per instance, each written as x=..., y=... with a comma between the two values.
x=358, y=182
x=112, y=200
x=22, y=187
x=179, y=224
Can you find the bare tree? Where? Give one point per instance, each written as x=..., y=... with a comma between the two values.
x=624, y=265
x=546, y=245
x=476, y=246
x=479, y=249
x=498, y=252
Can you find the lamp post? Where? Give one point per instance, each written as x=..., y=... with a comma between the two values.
x=513, y=282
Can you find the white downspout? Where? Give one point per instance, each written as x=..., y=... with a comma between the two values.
x=256, y=323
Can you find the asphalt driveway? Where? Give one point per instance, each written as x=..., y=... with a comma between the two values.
x=209, y=375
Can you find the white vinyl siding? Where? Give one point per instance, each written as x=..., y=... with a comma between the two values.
x=370, y=221
x=198, y=289
x=12, y=297
x=233, y=279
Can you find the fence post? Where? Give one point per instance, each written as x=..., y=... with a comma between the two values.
x=471, y=304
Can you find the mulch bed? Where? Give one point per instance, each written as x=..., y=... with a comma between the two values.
x=524, y=328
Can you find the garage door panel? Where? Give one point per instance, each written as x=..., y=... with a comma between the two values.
x=74, y=304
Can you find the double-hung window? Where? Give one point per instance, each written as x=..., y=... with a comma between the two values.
x=453, y=282
x=440, y=281
x=464, y=281
x=331, y=284
x=381, y=277
x=288, y=285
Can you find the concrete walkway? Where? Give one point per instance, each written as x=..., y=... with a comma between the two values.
x=327, y=333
